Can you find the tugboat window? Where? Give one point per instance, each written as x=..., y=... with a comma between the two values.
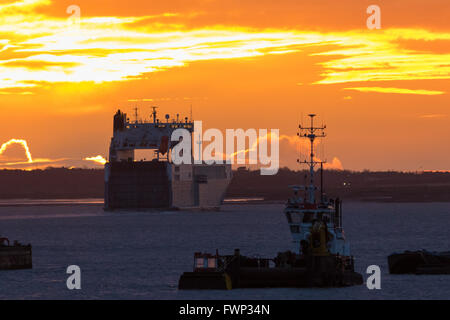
x=199, y=263
x=211, y=263
x=308, y=217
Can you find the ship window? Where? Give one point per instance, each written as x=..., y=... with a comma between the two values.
x=296, y=217
x=177, y=169
x=295, y=229
x=288, y=216
x=177, y=177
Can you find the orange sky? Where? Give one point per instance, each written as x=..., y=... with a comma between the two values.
x=384, y=94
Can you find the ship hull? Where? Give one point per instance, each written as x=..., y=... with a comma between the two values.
x=162, y=185
x=15, y=257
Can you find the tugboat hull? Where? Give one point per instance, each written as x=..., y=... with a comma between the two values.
x=419, y=262
x=205, y=280
x=267, y=278
x=244, y=272
x=15, y=257
x=296, y=278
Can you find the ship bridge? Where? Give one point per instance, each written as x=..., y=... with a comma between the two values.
x=151, y=135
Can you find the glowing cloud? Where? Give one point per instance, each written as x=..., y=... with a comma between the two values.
x=268, y=137
x=38, y=48
x=433, y=116
x=396, y=90
x=98, y=159
x=22, y=142
x=22, y=5
x=336, y=164
x=380, y=57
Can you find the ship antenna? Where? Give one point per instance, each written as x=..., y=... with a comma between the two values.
x=154, y=113
x=136, y=114
x=311, y=133
x=321, y=182
x=199, y=142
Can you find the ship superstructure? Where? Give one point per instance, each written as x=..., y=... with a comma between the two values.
x=158, y=182
x=308, y=214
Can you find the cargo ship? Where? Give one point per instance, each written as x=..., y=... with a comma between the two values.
x=320, y=257
x=419, y=262
x=158, y=183
x=14, y=256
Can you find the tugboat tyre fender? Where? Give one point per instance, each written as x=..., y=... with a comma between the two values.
x=228, y=282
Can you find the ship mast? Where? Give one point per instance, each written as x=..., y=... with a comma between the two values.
x=311, y=133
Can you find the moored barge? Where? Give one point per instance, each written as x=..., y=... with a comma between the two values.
x=15, y=256
x=419, y=262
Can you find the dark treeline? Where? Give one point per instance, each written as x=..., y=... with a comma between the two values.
x=61, y=183
x=51, y=183
x=365, y=185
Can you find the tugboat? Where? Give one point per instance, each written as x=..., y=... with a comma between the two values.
x=419, y=262
x=14, y=256
x=321, y=256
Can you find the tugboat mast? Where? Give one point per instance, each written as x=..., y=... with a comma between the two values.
x=311, y=133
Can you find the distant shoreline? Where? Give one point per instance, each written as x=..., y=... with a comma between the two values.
x=62, y=186
x=80, y=202
x=49, y=202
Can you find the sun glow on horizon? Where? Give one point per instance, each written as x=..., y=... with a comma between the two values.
x=97, y=159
